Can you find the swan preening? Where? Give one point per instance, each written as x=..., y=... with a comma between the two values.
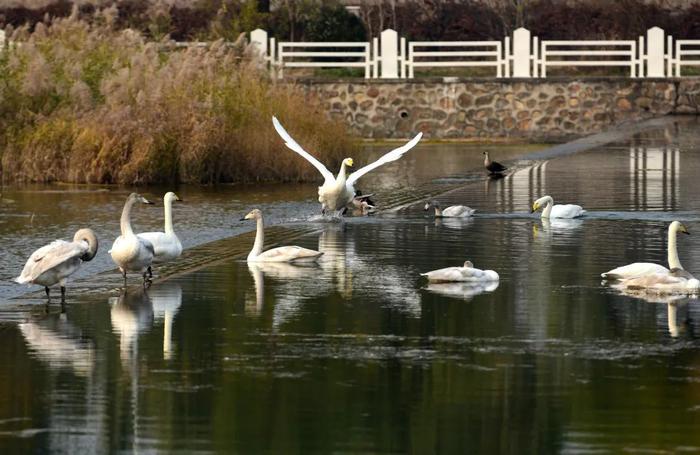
x=466, y=273
x=338, y=191
x=55, y=262
x=279, y=254
x=556, y=211
x=453, y=211
x=655, y=278
x=166, y=245
x=130, y=252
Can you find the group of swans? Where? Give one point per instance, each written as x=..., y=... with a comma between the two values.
x=54, y=263
x=136, y=252
x=655, y=278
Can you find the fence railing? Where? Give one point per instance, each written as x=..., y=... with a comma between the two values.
x=452, y=54
x=522, y=55
x=589, y=53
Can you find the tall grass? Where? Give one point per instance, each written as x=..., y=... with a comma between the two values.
x=84, y=102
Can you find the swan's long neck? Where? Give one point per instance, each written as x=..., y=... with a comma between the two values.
x=259, y=239
x=340, y=179
x=548, y=208
x=125, y=222
x=487, y=160
x=438, y=210
x=169, y=216
x=673, y=261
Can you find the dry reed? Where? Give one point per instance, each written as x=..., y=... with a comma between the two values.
x=83, y=102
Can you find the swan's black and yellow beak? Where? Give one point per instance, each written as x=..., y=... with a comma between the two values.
x=243, y=219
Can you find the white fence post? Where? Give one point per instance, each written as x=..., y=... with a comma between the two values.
x=389, y=56
x=521, y=53
x=258, y=38
x=669, y=56
x=2, y=39
x=655, y=53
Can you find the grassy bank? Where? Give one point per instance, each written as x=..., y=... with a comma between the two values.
x=84, y=102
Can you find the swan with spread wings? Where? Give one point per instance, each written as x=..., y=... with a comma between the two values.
x=338, y=191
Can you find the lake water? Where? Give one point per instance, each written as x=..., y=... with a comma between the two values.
x=358, y=354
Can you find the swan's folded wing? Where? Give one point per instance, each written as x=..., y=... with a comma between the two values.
x=389, y=157
x=49, y=256
x=292, y=144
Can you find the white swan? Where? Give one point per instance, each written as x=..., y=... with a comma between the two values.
x=130, y=252
x=55, y=262
x=557, y=211
x=279, y=254
x=466, y=273
x=639, y=269
x=337, y=192
x=453, y=211
x=676, y=281
x=166, y=245
x=463, y=290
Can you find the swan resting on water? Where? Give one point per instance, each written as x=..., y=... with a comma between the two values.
x=654, y=278
x=280, y=254
x=58, y=260
x=639, y=269
x=453, y=211
x=338, y=191
x=466, y=273
x=130, y=252
x=556, y=211
x=166, y=245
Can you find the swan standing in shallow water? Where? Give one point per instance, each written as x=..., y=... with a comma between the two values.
x=337, y=192
x=279, y=254
x=166, y=245
x=453, y=211
x=55, y=262
x=557, y=211
x=130, y=252
x=467, y=273
x=639, y=269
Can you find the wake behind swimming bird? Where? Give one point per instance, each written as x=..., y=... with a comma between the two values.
x=280, y=254
x=130, y=252
x=55, y=262
x=338, y=191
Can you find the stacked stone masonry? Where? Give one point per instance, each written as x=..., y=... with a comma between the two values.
x=532, y=109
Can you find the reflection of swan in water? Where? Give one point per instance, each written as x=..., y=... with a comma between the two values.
x=673, y=302
x=286, y=302
x=59, y=343
x=166, y=299
x=461, y=290
x=454, y=223
x=131, y=314
x=340, y=262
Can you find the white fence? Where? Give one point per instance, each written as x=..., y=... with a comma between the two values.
x=389, y=56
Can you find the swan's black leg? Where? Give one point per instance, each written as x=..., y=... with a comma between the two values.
x=48, y=294
x=124, y=273
x=150, y=272
x=63, y=295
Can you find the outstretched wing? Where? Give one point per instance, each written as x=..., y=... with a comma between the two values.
x=48, y=257
x=389, y=157
x=292, y=144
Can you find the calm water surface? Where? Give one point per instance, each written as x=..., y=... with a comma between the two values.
x=358, y=354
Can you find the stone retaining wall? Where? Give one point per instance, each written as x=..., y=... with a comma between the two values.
x=550, y=110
